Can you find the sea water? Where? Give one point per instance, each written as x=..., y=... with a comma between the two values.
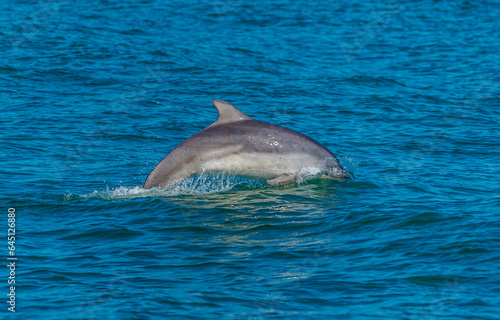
x=405, y=93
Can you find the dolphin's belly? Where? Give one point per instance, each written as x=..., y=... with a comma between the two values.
x=259, y=165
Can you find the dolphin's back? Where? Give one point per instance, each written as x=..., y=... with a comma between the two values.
x=259, y=136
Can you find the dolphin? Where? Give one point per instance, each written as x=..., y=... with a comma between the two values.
x=238, y=145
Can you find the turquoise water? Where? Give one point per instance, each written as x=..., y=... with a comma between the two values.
x=405, y=93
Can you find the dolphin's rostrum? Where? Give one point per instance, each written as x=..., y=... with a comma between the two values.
x=238, y=145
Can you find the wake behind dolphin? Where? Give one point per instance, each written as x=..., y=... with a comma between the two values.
x=238, y=145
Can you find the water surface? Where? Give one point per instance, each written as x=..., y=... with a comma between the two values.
x=404, y=93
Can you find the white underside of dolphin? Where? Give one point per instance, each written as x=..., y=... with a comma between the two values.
x=238, y=145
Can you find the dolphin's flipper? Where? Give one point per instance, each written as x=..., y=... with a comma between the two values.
x=282, y=180
x=228, y=113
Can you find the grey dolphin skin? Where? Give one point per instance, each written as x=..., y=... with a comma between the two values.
x=238, y=145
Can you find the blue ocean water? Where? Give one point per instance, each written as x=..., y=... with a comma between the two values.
x=405, y=93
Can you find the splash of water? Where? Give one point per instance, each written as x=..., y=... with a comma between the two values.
x=196, y=185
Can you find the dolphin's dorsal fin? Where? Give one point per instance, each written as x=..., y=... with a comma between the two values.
x=228, y=112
